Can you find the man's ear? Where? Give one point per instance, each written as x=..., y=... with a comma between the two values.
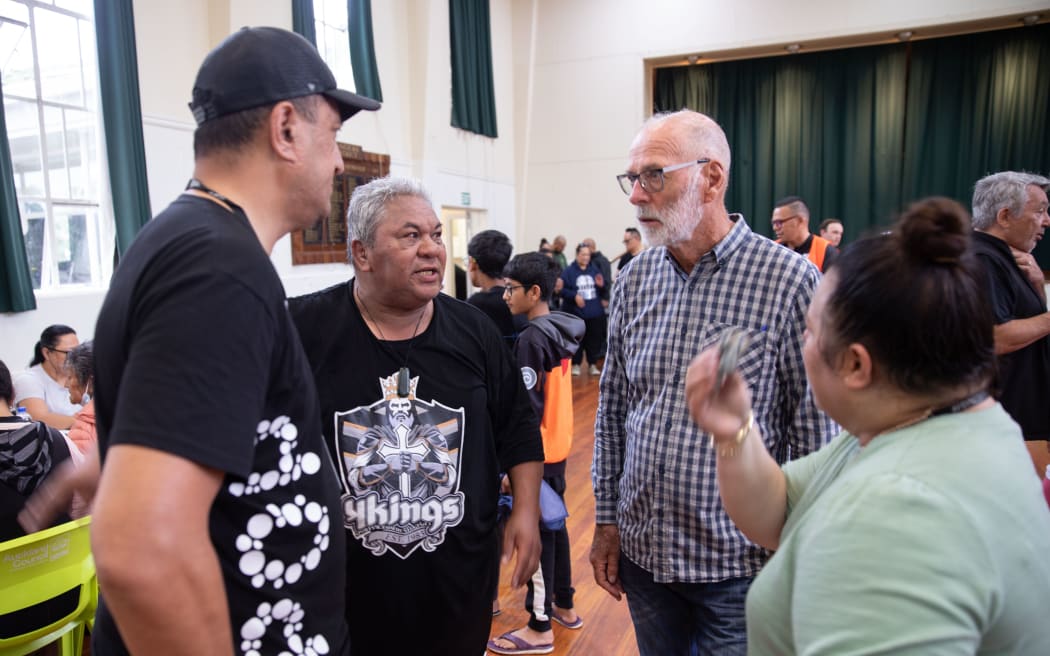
x=855, y=367
x=283, y=130
x=359, y=256
x=1002, y=218
x=534, y=293
x=716, y=180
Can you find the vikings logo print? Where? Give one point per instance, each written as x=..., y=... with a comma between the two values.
x=400, y=461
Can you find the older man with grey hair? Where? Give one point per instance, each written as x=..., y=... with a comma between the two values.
x=662, y=534
x=423, y=406
x=1009, y=218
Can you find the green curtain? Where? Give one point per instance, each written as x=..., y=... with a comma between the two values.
x=977, y=104
x=823, y=126
x=122, y=117
x=16, y=292
x=362, y=49
x=473, y=93
x=303, y=20
x=861, y=132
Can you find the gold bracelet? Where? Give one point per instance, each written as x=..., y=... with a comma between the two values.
x=729, y=449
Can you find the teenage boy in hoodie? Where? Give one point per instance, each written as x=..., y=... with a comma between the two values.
x=544, y=351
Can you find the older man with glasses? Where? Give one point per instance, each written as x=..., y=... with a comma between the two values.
x=662, y=535
x=791, y=225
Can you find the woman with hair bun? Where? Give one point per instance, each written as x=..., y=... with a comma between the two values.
x=920, y=528
x=42, y=387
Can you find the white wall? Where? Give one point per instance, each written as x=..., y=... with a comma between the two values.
x=589, y=93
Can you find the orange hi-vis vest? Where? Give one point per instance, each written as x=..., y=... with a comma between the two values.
x=557, y=423
x=817, y=250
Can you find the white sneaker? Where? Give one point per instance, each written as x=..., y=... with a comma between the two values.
x=575, y=370
x=594, y=371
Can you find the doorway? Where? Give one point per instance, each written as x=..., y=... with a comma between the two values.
x=461, y=223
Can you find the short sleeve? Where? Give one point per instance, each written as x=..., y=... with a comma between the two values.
x=27, y=386
x=799, y=473
x=197, y=372
x=1000, y=291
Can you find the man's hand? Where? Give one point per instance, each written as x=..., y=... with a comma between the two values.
x=522, y=534
x=605, y=559
x=1031, y=271
x=56, y=492
x=579, y=301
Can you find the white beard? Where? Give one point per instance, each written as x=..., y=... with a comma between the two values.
x=677, y=221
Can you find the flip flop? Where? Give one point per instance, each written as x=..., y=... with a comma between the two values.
x=568, y=625
x=520, y=645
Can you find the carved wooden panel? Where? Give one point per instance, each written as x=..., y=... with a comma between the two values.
x=326, y=241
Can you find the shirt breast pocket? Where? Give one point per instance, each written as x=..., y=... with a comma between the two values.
x=757, y=355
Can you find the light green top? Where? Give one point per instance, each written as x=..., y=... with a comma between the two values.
x=934, y=539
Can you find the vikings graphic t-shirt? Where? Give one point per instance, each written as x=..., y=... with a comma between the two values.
x=197, y=356
x=419, y=470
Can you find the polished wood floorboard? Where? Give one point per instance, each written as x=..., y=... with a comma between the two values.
x=607, y=628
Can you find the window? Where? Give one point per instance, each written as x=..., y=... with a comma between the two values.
x=51, y=103
x=333, y=42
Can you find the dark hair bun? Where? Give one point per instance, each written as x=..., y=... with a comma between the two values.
x=934, y=230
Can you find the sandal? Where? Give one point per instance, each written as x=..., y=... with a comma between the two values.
x=521, y=646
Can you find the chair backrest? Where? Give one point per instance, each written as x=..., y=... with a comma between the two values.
x=47, y=588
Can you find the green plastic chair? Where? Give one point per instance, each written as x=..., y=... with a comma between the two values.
x=52, y=573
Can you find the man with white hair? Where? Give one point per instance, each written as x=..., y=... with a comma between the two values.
x=1009, y=218
x=423, y=406
x=662, y=535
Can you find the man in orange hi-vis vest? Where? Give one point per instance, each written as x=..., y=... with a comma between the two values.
x=791, y=225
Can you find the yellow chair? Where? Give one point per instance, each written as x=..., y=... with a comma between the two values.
x=48, y=590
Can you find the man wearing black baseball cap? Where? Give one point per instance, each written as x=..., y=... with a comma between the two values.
x=217, y=522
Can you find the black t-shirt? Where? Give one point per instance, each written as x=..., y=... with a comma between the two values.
x=492, y=304
x=197, y=356
x=420, y=473
x=1024, y=375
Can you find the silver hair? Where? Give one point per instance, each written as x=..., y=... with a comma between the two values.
x=1006, y=189
x=80, y=362
x=369, y=201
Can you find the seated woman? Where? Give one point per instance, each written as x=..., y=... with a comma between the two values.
x=920, y=528
x=42, y=387
x=29, y=452
x=80, y=380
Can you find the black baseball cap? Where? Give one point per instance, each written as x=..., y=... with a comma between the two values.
x=258, y=66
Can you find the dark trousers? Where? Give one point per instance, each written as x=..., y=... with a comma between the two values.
x=593, y=340
x=686, y=619
x=551, y=583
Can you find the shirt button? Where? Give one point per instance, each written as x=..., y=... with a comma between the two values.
x=667, y=426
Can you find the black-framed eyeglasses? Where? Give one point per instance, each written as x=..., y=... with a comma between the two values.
x=779, y=222
x=509, y=289
x=652, y=180
x=59, y=351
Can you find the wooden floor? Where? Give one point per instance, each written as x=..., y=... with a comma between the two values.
x=607, y=628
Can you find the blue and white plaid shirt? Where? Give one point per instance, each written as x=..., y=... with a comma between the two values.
x=653, y=469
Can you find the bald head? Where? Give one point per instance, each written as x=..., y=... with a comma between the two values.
x=688, y=134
